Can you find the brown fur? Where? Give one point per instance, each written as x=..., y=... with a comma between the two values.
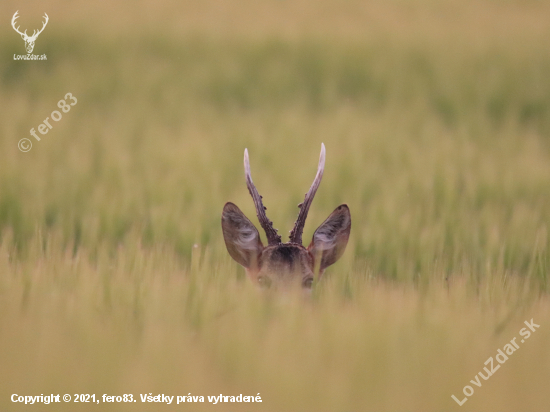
x=281, y=265
x=285, y=264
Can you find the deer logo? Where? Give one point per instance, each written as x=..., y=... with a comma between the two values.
x=29, y=40
x=279, y=265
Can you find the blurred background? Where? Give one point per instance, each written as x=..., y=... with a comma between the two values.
x=114, y=277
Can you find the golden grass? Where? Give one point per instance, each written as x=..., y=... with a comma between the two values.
x=114, y=277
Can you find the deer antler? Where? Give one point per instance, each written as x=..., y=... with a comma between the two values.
x=272, y=237
x=15, y=17
x=34, y=33
x=296, y=233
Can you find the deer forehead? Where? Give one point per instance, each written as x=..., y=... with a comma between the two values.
x=286, y=259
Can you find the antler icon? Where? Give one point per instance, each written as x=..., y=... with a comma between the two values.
x=29, y=40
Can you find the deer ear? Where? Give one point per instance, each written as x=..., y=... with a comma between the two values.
x=330, y=239
x=241, y=236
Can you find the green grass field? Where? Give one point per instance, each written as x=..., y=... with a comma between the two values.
x=114, y=277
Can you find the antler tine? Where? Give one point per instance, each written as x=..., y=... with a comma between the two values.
x=35, y=34
x=13, y=19
x=272, y=237
x=296, y=233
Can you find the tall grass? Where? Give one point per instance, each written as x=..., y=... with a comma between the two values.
x=113, y=273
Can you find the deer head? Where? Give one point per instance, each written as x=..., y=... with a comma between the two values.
x=279, y=265
x=29, y=40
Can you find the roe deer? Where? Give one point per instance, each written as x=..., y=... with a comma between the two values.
x=283, y=264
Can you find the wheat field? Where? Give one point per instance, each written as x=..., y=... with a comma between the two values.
x=114, y=276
